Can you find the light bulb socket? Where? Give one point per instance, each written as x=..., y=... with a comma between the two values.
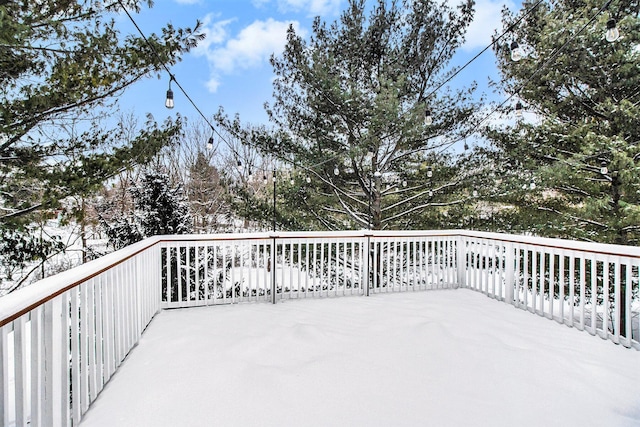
x=611, y=24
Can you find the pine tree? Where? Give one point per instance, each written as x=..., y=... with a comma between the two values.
x=350, y=114
x=158, y=209
x=63, y=65
x=582, y=151
x=578, y=159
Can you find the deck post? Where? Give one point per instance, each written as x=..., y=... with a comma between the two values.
x=461, y=260
x=509, y=272
x=367, y=269
x=272, y=265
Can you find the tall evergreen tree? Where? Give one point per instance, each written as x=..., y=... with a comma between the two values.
x=581, y=150
x=350, y=107
x=64, y=62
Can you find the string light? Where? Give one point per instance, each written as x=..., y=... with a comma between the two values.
x=516, y=52
x=429, y=172
x=169, y=101
x=336, y=171
x=428, y=118
x=518, y=109
x=603, y=168
x=210, y=143
x=612, y=33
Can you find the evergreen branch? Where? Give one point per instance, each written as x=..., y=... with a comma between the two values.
x=21, y=212
x=422, y=206
x=574, y=218
x=348, y=211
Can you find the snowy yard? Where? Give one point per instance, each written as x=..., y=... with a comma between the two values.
x=437, y=358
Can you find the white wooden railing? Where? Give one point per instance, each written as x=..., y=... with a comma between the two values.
x=62, y=338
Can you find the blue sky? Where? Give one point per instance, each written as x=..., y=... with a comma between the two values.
x=230, y=68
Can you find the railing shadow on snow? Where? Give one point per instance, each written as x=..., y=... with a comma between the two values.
x=62, y=338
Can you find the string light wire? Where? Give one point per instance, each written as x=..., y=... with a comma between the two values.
x=444, y=146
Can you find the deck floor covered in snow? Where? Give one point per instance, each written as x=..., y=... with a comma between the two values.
x=436, y=358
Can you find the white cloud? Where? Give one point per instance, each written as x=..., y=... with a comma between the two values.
x=250, y=48
x=215, y=32
x=487, y=18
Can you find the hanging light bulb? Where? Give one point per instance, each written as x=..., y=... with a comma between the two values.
x=308, y=179
x=210, y=143
x=612, y=33
x=532, y=185
x=264, y=179
x=475, y=193
x=428, y=118
x=240, y=166
x=603, y=168
x=336, y=171
x=250, y=172
x=519, y=109
x=516, y=52
x=404, y=183
x=430, y=193
x=169, y=101
x=429, y=172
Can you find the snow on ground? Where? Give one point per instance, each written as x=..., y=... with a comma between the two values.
x=436, y=358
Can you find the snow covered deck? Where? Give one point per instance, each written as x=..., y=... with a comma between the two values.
x=440, y=358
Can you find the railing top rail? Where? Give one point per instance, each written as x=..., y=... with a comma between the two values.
x=26, y=299
x=306, y=234
x=562, y=244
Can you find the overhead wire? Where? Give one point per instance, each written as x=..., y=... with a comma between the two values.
x=549, y=60
x=445, y=146
x=232, y=148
